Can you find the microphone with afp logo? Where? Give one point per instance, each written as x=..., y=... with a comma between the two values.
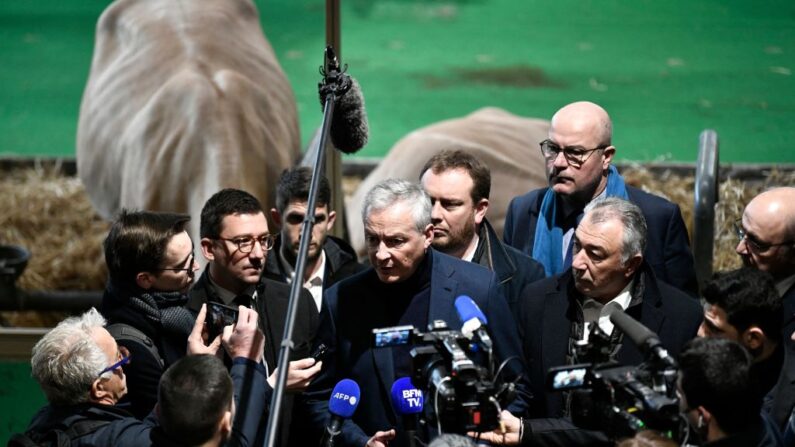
x=342, y=404
x=408, y=402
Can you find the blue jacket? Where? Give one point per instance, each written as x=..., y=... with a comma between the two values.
x=667, y=244
x=350, y=313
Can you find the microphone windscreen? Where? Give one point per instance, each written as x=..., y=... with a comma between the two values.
x=344, y=398
x=406, y=398
x=637, y=332
x=467, y=310
x=349, y=130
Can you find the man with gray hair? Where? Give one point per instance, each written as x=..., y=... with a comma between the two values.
x=409, y=283
x=557, y=312
x=79, y=366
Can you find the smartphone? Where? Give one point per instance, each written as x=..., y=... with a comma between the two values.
x=319, y=352
x=563, y=378
x=219, y=316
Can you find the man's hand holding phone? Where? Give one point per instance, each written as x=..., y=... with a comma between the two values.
x=197, y=337
x=244, y=339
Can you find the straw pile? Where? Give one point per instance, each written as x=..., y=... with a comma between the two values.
x=49, y=214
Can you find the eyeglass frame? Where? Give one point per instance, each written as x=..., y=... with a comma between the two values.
x=125, y=360
x=270, y=238
x=583, y=151
x=753, y=245
x=189, y=268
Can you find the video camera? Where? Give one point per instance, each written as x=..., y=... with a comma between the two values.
x=456, y=374
x=621, y=400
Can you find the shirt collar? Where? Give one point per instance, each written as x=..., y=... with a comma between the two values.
x=473, y=247
x=590, y=305
x=319, y=274
x=227, y=296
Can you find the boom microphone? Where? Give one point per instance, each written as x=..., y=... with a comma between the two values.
x=407, y=401
x=349, y=129
x=647, y=341
x=474, y=320
x=342, y=404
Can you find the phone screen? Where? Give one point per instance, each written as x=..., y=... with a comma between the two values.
x=219, y=316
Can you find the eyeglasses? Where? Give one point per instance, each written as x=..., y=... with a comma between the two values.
x=188, y=269
x=124, y=359
x=751, y=242
x=246, y=243
x=575, y=155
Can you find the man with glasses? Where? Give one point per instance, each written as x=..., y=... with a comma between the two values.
x=236, y=243
x=329, y=259
x=151, y=265
x=81, y=371
x=767, y=243
x=579, y=153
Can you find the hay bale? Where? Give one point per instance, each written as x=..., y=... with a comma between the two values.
x=49, y=214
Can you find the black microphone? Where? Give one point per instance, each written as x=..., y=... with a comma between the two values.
x=349, y=130
x=343, y=402
x=408, y=403
x=646, y=340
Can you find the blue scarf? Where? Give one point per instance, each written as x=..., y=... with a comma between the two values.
x=548, y=243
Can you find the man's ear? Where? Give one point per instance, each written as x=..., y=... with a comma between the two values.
x=481, y=208
x=145, y=280
x=332, y=217
x=428, y=233
x=607, y=156
x=753, y=338
x=276, y=216
x=225, y=426
x=98, y=391
x=632, y=265
x=206, y=245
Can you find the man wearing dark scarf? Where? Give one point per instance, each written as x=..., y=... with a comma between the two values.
x=151, y=265
x=578, y=154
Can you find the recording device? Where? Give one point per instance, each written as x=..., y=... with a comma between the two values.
x=349, y=129
x=342, y=404
x=459, y=386
x=621, y=400
x=408, y=402
x=319, y=352
x=219, y=316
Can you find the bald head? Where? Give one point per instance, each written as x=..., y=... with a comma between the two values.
x=769, y=224
x=585, y=119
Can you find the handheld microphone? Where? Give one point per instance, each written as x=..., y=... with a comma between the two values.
x=407, y=401
x=349, y=129
x=647, y=341
x=342, y=404
x=474, y=320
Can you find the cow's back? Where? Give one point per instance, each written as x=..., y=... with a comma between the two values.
x=184, y=98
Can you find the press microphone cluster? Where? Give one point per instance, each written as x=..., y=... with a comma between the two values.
x=349, y=129
x=342, y=404
x=408, y=402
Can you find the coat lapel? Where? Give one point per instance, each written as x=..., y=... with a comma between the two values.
x=556, y=328
x=443, y=293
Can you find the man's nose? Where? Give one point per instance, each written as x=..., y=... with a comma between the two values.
x=578, y=260
x=382, y=254
x=436, y=212
x=257, y=251
x=559, y=162
x=741, y=248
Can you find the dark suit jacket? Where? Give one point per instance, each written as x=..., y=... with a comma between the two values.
x=667, y=245
x=272, y=300
x=548, y=308
x=350, y=313
x=514, y=269
x=784, y=391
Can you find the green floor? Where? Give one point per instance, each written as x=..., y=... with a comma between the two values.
x=665, y=70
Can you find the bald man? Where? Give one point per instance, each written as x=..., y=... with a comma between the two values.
x=579, y=153
x=767, y=242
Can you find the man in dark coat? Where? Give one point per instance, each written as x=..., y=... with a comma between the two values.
x=607, y=267
x=80, y=368
x=236, y=241
x=459, y=186
x=329, y=259
x=409, y=284
x=151, y=265
x=767, y=243
x=579, y=153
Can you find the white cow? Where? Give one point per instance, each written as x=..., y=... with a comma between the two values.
x=507, y=143
x=184, y=98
